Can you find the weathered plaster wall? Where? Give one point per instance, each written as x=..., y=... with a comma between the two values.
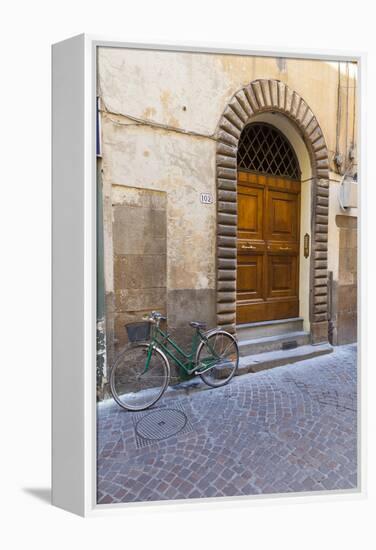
x=139, y=241
x=342, y=262
x=182, y=167
x=190, y=90
x=334, y=231
x=159, y=118
x=343, y=323
x=347, y=280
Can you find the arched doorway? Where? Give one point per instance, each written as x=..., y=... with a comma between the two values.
x=268, y=198
x=262, y=97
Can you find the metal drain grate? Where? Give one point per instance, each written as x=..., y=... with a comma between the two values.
x=159, y=424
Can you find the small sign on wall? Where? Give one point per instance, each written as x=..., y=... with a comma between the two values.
x=206, y=198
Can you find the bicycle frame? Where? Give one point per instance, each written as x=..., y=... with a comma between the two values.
x=186, y=361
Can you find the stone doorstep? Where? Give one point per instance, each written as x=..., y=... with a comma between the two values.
x=271, y=359
x=260, y=329
x=272, y=343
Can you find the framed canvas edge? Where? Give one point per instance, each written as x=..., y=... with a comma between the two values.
x=91, y=508
x=67, y=200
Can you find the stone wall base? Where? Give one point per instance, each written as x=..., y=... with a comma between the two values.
x=319, y=332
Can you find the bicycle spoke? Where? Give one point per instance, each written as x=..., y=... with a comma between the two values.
x=135, y=383
x=215, y=342
x=218, y=358
x=230, y=345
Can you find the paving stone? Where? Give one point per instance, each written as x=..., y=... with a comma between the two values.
x=289, y=429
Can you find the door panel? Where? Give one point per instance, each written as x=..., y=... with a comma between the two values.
x=268, y=248
x=282, y=220
x=249, y=281
x=281, y=276
x=250, y=212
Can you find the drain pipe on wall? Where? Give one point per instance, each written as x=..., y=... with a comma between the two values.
x=338, y=158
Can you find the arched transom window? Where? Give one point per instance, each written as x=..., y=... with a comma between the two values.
x=263, y=148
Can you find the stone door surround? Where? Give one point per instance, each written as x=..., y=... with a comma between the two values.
x=258, y=97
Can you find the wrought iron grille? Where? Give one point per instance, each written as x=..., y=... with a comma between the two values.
x=263, y=148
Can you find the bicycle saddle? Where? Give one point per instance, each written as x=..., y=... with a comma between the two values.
x=197, y=324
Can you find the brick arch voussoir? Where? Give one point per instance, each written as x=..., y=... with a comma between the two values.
x=261, y=96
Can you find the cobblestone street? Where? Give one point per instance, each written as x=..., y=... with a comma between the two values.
x=288, y=429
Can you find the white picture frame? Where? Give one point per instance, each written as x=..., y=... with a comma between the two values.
x=74, y=264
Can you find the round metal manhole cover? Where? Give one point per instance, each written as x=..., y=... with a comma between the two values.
x=161, y=424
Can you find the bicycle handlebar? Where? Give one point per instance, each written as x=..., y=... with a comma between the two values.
x=155, y=316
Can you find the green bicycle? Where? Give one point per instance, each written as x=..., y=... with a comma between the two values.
x=141, y=373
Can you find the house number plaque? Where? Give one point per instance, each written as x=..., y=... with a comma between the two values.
x=206, y=198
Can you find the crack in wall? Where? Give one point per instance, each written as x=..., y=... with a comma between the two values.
x=151, y=123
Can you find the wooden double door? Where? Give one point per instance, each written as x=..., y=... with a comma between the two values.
x=267, y=248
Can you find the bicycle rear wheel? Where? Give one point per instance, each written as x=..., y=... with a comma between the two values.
x=134, y=385
x=217, y=358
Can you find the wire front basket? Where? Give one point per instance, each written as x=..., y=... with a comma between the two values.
x=138, y=332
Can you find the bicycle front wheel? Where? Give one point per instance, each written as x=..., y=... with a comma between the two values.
x=139, y=377
x=217, y=358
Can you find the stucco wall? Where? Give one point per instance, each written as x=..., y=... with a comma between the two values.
x=139, y=241
x=158, y=85
x=160, y=111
